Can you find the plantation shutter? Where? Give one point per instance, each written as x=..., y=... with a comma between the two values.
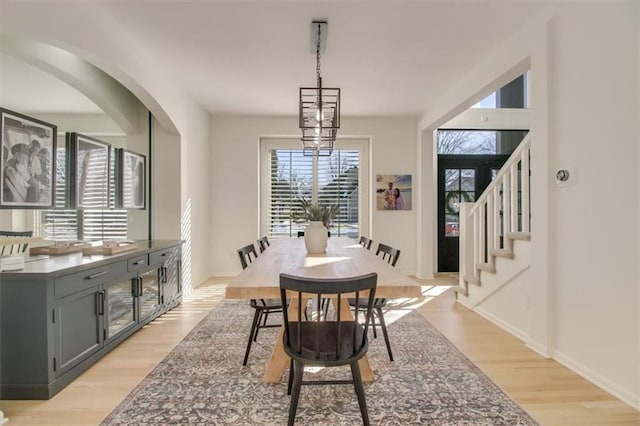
x=106, y=224
x=338, y=185
x=87, y=224
x=59, y=223
x=293, y=176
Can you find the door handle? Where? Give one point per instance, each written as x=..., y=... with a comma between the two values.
x=137, y=262
x=140, y=286
x=101, y=302
x=96, y=275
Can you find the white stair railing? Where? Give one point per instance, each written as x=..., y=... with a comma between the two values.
x=499, y=216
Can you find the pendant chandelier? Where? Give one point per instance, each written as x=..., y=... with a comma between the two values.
x=319, y=114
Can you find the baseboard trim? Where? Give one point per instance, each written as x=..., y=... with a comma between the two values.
x=502, y=324
x=624, y=395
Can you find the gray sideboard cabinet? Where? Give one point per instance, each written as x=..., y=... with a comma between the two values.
x=60, y=315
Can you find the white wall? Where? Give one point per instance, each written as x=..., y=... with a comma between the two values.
x=584, y=280
x=594, y=232
x=235, y=181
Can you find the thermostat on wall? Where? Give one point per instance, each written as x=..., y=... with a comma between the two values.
x=566, y=176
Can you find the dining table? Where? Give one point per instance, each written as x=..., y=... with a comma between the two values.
x=343, y=258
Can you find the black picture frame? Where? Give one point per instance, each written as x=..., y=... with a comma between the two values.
x=88, y=172
x=27, y=161
x=131, y=183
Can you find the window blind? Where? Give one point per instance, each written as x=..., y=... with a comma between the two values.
x=329, y=180
x=88, y=224
x=338, y=185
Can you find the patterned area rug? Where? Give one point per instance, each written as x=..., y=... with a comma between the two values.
x=202, y=381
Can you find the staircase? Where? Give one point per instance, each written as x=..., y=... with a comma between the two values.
x=495, y=232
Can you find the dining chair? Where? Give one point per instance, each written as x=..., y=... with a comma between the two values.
x=320, y=341
x=365, y=242
x=262, y=307
x=263, y=243
x=391, y=255
x=17, y=248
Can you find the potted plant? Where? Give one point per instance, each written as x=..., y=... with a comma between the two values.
x=318, y=216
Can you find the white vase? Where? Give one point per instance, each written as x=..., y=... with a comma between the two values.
x=315, y=238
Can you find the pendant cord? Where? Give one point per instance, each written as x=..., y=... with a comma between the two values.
x=319, y=79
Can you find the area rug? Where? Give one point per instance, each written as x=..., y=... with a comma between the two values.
x=202, y=381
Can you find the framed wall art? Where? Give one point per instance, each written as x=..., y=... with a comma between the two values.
x=88, y=161
x=393, y=192
x=131, y=169
x=26, y=162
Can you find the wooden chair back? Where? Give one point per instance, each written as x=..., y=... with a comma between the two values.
x=389, y=253
x=315, y=339
x=247, y=255
x=365, y=242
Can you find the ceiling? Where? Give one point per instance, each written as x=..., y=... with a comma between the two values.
x=390, y=58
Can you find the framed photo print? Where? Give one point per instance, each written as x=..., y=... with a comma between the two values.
x=26, y=162
x=131, y=169
x=88, y=172
x=393, y=192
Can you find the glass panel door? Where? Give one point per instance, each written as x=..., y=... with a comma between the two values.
x=120, y=312
x=149, y=297
x=461, y=179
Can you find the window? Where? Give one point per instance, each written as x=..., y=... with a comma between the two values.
x=289, y=176
x=479, y=142
x=87, y=224
x=512, y=95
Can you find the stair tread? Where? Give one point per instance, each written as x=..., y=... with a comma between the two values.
x=471, y=279
x=487, y=267
x=502, y=253
x=523, y=236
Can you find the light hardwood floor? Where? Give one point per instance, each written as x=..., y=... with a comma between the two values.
x=552, y=394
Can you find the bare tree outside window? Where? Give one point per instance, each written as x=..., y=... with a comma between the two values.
x=467, y=142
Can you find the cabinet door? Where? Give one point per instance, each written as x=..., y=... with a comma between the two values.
x=119, y=311
x=78, y=328
x=149, y=295
x=171, y=284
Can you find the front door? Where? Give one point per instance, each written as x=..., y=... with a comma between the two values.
x=461, y=179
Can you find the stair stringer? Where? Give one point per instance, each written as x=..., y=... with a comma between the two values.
x=506, y=271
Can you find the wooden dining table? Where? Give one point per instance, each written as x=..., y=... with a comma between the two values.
x=344, y=258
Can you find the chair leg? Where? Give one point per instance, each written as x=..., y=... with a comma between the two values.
x=255, y=332
x=357, y=384
x=290, y=378
x=373, y=325
x=265, y=315
x=384, y=332
x=298, y=369
x=254, y=329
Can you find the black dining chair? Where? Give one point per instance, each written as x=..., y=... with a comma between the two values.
x=262, y=307
x=365, y=242
x=323, y=342
x=15, y=248
x=263, y=243
x=391, y=255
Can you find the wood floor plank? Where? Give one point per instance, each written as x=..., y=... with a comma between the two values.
x=551, y=393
